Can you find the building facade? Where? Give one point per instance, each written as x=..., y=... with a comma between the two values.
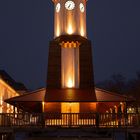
x=9, y=88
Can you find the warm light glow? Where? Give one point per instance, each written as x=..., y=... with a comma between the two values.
x=1, y=101
x=1, y=106
x=1, y=110
x=111, y=110
x=70, y=83
x=6, y=92
x=70, y=65
x=7, y=86
x=58, y=32
x=70, y=30
x=82, y=32
x=70, y=108
x=43, y=103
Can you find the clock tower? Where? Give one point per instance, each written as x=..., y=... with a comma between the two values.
x=70, y=17
x=70, y=100
x=70, y=70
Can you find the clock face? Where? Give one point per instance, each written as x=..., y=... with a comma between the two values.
x=58, y=7
x=81, y=6
x=69, y=5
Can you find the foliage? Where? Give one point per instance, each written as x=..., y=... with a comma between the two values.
x=118, y=83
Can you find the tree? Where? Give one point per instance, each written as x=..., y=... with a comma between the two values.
x=116, y=83
x=134, y=86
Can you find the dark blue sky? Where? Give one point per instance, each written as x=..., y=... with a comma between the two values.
x=26, y=26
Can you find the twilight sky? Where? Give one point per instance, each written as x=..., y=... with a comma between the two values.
x=26, y=26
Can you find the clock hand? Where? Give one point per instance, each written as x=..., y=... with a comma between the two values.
x=69, y=5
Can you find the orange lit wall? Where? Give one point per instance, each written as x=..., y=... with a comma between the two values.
x=6, y=92
x=88, y=107
x=70, y=65
x=52, y=107
x=70, y=107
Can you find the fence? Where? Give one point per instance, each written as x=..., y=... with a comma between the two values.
x=104, y=120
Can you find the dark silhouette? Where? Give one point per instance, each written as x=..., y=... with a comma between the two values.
x=118, y=83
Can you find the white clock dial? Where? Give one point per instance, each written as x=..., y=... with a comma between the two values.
x=69, y=5
x=82, y=8
x=58, y=6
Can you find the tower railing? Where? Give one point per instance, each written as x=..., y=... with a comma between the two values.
x=100, y=120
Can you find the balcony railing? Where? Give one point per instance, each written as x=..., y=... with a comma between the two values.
x=100, y=120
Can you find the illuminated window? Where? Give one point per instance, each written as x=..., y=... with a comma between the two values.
x=131, y=110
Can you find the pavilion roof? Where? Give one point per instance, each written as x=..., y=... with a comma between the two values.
x=107, y=96
x=69, y=95
x=33, y=96
x=32, y=101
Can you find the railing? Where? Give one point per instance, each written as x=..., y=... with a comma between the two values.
x=101, y=120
